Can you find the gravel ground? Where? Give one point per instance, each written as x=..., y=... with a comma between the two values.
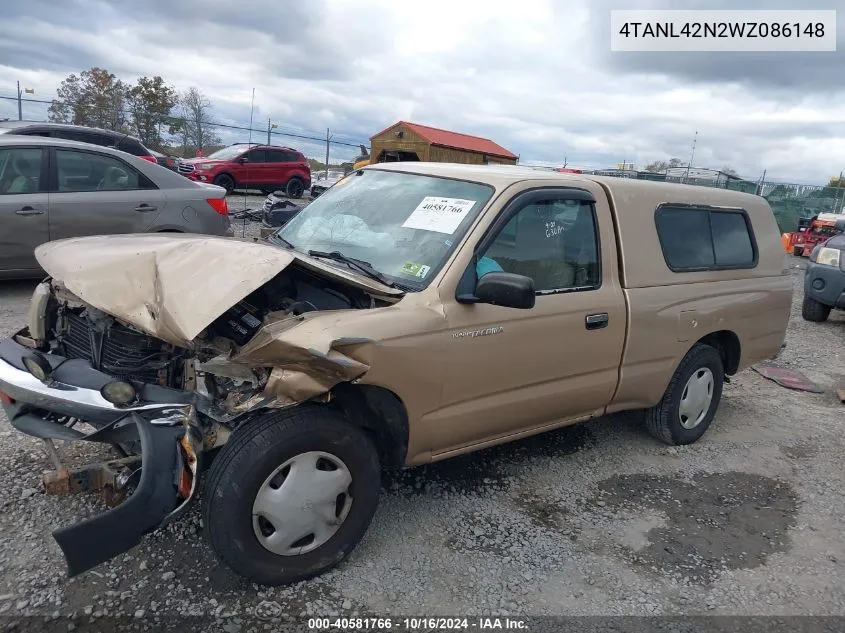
x=596, y=519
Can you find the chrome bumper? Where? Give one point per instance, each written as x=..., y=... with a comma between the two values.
x=74, y=389
x=62, y=397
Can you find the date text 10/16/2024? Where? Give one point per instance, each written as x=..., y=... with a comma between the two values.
x=418, y=624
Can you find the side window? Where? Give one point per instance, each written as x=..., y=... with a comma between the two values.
x=87, y=171
x=34, y=131
x=554, y=242
x=280, y=156
x=704, y=239
x=256, y=156
x=130, y=146
x=731, y=239
x=77, y=135
x=20, y=170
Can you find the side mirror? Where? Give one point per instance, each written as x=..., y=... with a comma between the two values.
x=243, y=159
x=506, y=289
x=840, y=224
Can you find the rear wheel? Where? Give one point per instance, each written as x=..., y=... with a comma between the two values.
x=689, y=404
x=812, y=310
x=291, y=494
x=225, y=181
x=294, y=188
x=797, y=251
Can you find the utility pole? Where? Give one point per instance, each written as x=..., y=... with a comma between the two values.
x=838, y=207
x=328, y=142
x=692, y=156
x=20, y=109
x=268, y=130
x=762, y=182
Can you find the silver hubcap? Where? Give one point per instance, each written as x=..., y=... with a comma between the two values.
x=696, y=399
x=302, y=503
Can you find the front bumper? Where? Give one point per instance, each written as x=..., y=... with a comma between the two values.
x=163, y=422
x=93, y=541
x=825, y=284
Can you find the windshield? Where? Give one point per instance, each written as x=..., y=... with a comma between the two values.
x=405, y=225
x=227, y=152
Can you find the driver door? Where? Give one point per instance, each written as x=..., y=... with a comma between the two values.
x=510, y=371
x=97, y=194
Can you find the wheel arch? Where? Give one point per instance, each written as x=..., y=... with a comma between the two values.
x=729, y=347
x=225, y=173
x=381, y=413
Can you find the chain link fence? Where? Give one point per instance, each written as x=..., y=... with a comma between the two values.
x=789, y=201
x=332, y=146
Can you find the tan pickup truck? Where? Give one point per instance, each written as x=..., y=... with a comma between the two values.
x=411, y=313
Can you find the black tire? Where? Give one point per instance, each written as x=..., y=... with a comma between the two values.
x=814, y=311
x=294, y=188
x=240, y=469
x=797, y=251
x=663, y=421
x=225, y=181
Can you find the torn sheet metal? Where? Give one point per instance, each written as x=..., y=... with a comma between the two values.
x=785, y=377
x=312, y=353
x=306, y=359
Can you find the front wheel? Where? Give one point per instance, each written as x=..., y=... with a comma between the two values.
x=291, y=494
x=812, y=310
x=689, y=404
x=225, y=181
x=797, y=251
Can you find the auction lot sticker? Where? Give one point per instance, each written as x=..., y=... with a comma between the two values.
x=442, y=215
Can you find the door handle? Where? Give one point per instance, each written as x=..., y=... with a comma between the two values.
x=145, y=207
x=27, y=210
x=596, y=321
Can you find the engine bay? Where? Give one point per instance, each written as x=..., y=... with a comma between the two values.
x=292, y=292
x=75, y=330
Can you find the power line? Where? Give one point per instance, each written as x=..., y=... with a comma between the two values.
x=318, y=139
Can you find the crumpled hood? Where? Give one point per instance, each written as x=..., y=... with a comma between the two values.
x=171, y=286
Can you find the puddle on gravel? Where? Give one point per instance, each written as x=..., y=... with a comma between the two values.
x=722, y=521
x=483, y=471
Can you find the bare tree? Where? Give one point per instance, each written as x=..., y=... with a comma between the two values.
x=195, y=111
x=730, y=171
x=657, y=166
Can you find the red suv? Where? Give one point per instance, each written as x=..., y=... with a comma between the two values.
x=242, y=166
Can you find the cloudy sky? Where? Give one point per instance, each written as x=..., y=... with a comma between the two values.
x=537, y=76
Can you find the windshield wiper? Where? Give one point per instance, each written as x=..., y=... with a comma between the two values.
x=358, y=264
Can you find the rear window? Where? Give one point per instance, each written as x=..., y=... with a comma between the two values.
x=26, y=131
x=697, y=238
x=281, y=156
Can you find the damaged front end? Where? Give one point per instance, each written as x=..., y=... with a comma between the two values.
x=160, y=475
x=164, y=367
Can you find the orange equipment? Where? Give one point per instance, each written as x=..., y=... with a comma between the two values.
x=811, y=231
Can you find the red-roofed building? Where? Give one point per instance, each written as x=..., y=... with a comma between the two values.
x=411, y=141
